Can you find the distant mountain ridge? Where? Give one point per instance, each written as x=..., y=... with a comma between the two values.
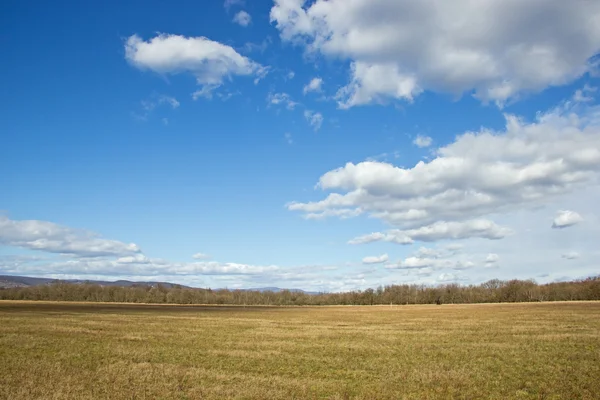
x=10, y=281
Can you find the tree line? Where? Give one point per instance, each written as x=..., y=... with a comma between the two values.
x=493, y=291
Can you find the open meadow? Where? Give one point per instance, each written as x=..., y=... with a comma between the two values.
x=127, y=351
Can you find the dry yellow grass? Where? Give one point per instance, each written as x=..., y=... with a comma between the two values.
x=108, y=351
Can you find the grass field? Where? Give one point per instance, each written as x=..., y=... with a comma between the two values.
x=109, y=351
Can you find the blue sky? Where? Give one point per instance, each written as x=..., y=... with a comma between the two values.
x=322, y=145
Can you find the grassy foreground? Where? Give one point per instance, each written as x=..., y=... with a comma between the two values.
x=112, y=351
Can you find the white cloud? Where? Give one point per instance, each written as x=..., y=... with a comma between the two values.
x=291, y=75
x=433, y=259
x=54, y=238
x=152, y=103
x=422, y=141
x=261, y=74
x=141, y=267
x=492, y=260
x=172, y=101
x=99, y=256
x=201, y=256
x=420, y=262
x=528, y=164
x=566, y=218
x=315, y=119
x=209, y=61
x=199, y=273
x=399, y=48
x=206, y=92
x=441, y=230
x=242, y=18
x=341, y=213
x=572, y=255
x=82, y=254
x=283, y=99
x=374, y=83
x=313, y=86
x=375, y=259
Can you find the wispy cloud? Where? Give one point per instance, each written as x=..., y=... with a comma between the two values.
x=288, y=138
x=422, y=141
x=315, y=119
x=376, y=259
x=314, y=85
x=282, y=99
x=242, y=18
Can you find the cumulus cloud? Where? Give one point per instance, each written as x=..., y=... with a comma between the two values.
x=492, y=260
x=480, y=174
x=397, y=49
x=422, y=141
x=375, y=259
x=54, y=238
x=315, y=119
x=313, y=86
x=374, y=83
x=566, y=218
x=441, y=230
x=242, y=18
x=434, y=259
x=209, y=61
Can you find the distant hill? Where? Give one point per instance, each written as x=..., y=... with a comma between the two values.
x=9, y=281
